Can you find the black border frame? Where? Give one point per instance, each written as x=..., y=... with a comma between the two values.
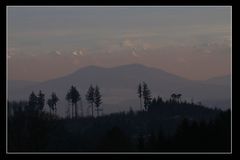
x=3, y=84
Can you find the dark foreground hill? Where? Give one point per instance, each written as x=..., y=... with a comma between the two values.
x=168, y=126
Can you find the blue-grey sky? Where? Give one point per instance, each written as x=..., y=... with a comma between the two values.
x=88, y=35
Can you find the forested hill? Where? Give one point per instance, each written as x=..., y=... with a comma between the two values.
x=165, y=126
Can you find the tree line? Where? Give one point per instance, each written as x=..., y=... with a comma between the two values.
x=93, y=96
x=160, y=125
x=144, y=93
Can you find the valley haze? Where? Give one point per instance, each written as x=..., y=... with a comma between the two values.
x=118, y=86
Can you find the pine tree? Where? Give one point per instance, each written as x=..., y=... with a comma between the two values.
x=173, y=97
x=90, y=97
x=146, y=96
x=41, y=101
x=68, y=98
x=178, y=96
x=140, y=94
x=33, y=102
x=55, y=99
x=50, y=105
x=97, y=99
x=74, y=96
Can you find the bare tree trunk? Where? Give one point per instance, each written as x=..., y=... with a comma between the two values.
x=55, y=110
x=76, y=110
x=88, y=112
x=97, y=112
x=141, y=103
x=72, y=110
x=67, y=112
x=81, y=109
x=92, y=110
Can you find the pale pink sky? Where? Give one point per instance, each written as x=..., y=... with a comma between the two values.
x=46, y=43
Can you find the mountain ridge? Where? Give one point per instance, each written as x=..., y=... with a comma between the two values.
x=119, y=84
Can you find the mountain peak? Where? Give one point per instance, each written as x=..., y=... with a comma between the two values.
x=93, y=66
x=134, y=65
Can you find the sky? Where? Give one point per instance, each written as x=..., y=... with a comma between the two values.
x=50, y=42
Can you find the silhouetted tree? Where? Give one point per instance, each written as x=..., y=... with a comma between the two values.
x=153, y=104
x=81, y=107
x=41, y=101
x=140, y=94
x=159, y=100
x=33, y=102
x=90, y=97
x=55, y=99
x=178, y=97
x=68, y=111
x=74, y=96
x=146, y=96
x=97, y=99
x=174, y=97
x=50, y=105
x=15, y=108
x=192, y=101
x=68, y=98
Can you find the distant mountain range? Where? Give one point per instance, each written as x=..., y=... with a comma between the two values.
x=223, y=80
x=118, y=86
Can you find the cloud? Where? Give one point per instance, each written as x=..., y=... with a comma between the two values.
x=145, y=47
x=128, y=43
x=133, y=43
x=81, y=53
x=138, y=44
x=75, y=53
x=58, y=52
x=139, y=34
x=78, y=52
x=135, y=54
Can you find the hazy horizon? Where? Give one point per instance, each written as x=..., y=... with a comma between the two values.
x=109, y=67
x=50, y=42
